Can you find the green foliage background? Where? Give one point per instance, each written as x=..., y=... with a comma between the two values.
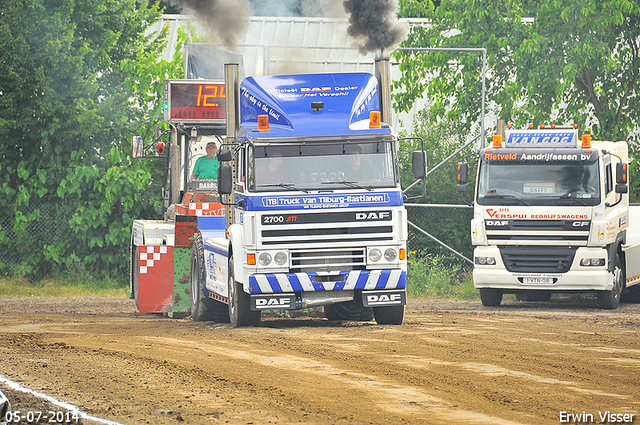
x=549, y=61
x=77, y=80
x=441, y=138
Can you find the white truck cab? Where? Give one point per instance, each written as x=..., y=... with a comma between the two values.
x=551, y=213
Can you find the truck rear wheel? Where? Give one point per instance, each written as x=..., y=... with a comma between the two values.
x=490, y=297
x=203, y=308
x=350, y=310
x=240, y=313
x=389, y=315
x=609, y=300
x=631, y=295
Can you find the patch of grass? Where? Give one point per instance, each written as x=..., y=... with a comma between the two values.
x=70, y=286
x=431, y=277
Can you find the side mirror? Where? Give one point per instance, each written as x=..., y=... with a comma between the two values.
x=419, y=164
x=137, y=147
x=621, y=177
x=463, y=177
x=224, y=155
x=225, y=179
x=621, y=173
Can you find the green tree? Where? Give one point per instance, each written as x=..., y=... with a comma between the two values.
x=566, y=61
x=560, y=61
x=441, y=138
x=74, y=88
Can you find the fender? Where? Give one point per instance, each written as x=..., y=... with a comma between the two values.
x=613, y=249
x=236, y=236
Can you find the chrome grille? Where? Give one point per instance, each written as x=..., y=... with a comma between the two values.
x=540, y=259
x=327, y=260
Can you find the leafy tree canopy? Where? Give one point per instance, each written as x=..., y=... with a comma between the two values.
x=560, y=61
x=78, y=78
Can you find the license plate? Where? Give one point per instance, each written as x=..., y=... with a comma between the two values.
x=538, y=280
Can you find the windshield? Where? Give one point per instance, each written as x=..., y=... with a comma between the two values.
x=321, y=166
x=540, y=179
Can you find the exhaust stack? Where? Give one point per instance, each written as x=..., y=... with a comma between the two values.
x=383, y=75
x=232, y=86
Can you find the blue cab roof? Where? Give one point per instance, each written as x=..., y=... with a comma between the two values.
x=286, y=99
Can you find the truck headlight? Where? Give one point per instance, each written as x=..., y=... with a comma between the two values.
x=280, y=258
x=485, y=261
x=375, y=255
x=595, y=262
x=390, y=254
x=264, y=259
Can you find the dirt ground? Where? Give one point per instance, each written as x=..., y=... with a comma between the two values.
x=451, y=362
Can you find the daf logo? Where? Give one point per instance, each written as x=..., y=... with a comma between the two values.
x=273, y=302
x=580, y=223
x=497, y=222
x=314, y=89
x=383, y=298
x=373, y=215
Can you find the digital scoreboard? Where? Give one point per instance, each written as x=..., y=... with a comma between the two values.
x=194, y=101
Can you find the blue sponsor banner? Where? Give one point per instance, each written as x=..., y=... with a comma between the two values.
x=348, y=99
x=323, y=201
x=542, y=139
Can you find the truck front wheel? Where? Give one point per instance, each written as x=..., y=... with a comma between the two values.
x=240, y=313
x=203, y=308
x=609, y=300
x=490, y=297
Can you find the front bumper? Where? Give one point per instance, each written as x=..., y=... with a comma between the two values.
x=577, y=278
x=327, y=281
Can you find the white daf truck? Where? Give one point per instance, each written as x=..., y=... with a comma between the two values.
x=551, y=214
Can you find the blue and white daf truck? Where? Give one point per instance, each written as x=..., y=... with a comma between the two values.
x=314, y=209
x=551, y=213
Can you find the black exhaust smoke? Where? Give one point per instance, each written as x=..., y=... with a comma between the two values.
x=228, y=19
x=374, y=24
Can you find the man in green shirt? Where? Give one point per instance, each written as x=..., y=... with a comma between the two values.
x=206, y=166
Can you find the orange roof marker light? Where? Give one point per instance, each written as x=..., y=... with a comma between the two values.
x=586, y=141
x=263, y=122
x=497, y=141
x=374, y=119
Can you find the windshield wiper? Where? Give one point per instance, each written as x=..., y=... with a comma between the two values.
x=505, y=197
x=567, y=197
x=288, y=186
x=350, y=184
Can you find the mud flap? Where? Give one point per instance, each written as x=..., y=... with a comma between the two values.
x=273, y=302
x=384, y=298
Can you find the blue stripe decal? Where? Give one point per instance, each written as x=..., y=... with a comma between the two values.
x=337, y=201
x=273, y=282
x=340, y=285
x=362, y=280
x=295, y=282
x=318, y=286
x=402, y=282
x=216, y=250
x=254, y=288
x=383, y=279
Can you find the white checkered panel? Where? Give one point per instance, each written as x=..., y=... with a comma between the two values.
x=205, y=208
x=152, y=254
